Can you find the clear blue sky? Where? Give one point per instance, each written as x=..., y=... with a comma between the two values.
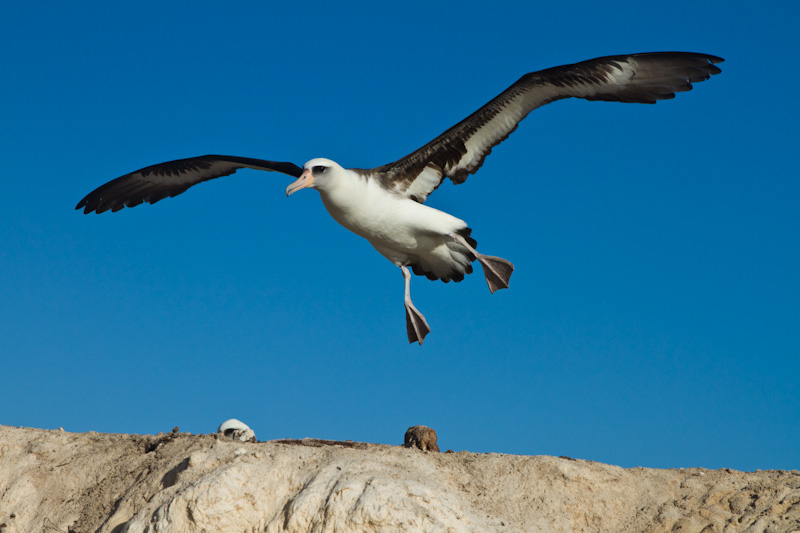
x=654, y=315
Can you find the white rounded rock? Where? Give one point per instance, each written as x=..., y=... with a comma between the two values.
x=237, y=430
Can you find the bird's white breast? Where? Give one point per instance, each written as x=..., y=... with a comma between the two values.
x=384, y=218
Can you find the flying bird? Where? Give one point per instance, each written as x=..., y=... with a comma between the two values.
x=386, y=204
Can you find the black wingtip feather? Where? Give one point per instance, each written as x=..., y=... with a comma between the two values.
x=156, y=182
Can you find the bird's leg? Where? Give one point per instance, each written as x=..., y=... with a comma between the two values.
x=416, y=325
x=496, y=269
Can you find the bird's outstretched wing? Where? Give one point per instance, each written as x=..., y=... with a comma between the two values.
x=460, y=151
x=157, y=182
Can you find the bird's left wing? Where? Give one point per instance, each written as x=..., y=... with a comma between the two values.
x=157, y=182
x=460, y=151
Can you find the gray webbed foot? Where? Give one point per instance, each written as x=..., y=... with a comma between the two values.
x=496, y=269
x=416, y=325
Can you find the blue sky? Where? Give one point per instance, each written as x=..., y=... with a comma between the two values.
x=653, y=317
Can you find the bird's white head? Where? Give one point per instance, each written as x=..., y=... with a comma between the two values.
x=317, y=174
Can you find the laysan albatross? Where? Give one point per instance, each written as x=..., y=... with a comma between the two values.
x=385, y=205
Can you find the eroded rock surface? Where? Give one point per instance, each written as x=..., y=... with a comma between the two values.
x=177, y=482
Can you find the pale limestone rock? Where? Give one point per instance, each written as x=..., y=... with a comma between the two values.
x=170, y=483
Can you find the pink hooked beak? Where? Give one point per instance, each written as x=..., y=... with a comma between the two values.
x=305, y=180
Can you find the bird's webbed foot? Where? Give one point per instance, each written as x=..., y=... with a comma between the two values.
x=496, y=269
x=416, y=325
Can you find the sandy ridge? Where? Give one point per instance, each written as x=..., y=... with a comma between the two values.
x=53, y=481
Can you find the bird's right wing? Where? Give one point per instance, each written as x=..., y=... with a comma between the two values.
x=460, y=151
x=157, y=182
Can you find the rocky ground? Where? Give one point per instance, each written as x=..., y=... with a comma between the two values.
x=53, y=481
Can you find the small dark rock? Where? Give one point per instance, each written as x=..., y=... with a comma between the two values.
x=421, y=437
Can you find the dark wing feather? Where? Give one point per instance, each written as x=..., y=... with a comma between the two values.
x=157, y=182
x=460, y=151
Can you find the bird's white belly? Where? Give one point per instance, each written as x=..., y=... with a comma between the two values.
x=397, y=227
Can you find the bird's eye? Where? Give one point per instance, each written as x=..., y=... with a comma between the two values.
x=319, y=170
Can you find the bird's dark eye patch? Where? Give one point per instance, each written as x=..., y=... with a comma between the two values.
x=319, y=169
